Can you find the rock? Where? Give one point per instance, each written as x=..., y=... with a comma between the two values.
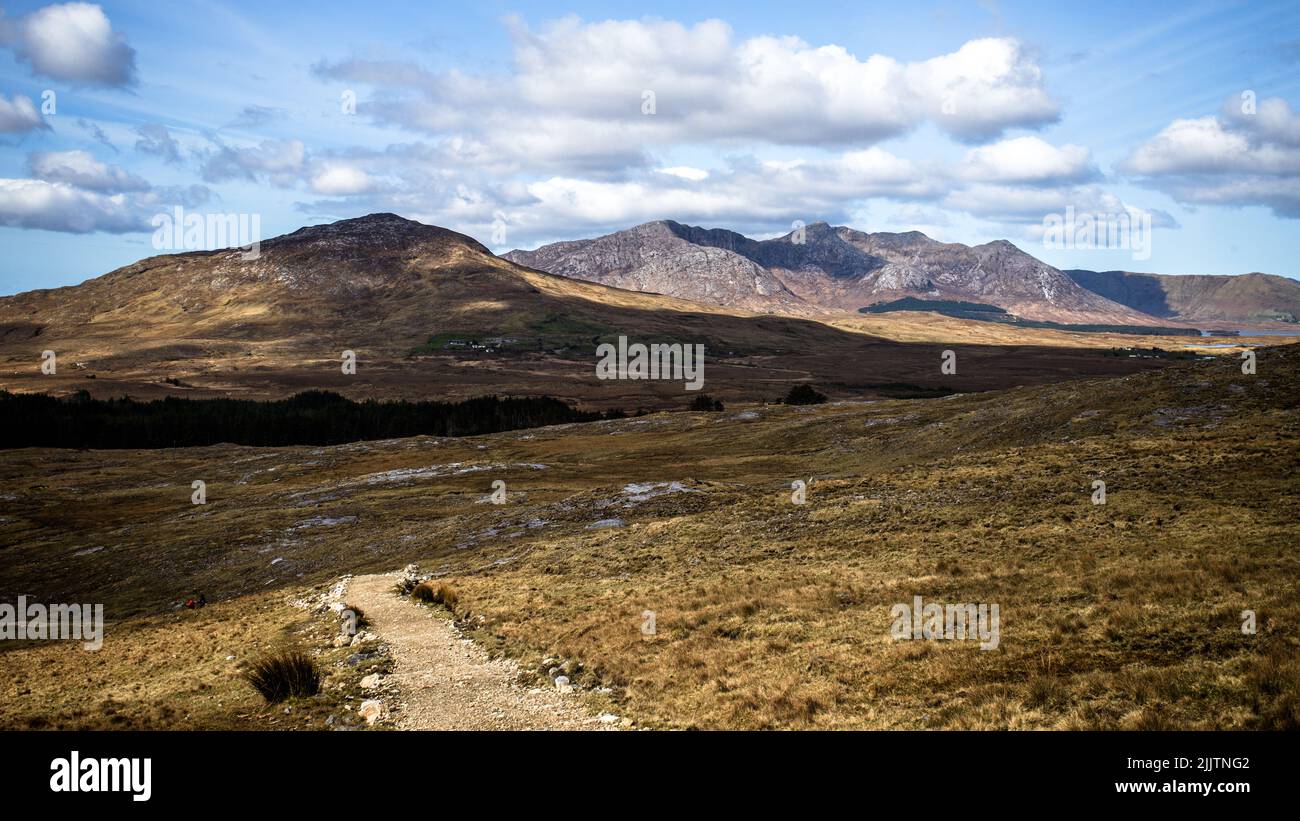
x=562, y=684
x=370, y=682
x=372, y=710
x=342, y=641
x=408, y=578
x=361, y=638
x=607, y=718
x=627, y=722
x=553, y=672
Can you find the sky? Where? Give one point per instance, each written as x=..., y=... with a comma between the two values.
x=525, y=123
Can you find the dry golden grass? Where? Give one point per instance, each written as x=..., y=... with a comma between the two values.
x=443, y=594
x=767, y=614
x=933, y=328
x=182, y=670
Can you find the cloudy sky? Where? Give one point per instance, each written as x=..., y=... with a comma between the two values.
x=969, y=121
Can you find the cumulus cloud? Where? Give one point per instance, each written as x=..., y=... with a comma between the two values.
x=58, y=206
x=1012, y=183
x=590, y=96
x=65, y=207
x=1239, y=157
x=18, y=115
x=73, y=42
x=744, y=192
x=80, y=169
x=1028, y=160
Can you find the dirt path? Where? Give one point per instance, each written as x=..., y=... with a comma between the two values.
x=447, y=682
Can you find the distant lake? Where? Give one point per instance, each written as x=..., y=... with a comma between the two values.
x=1259, y=332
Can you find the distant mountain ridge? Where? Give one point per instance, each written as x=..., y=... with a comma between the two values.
x=1245, y=298
x=831, y=269
x=424, y=312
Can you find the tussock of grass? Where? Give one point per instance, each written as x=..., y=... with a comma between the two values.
x=429, y=593
x=284, y=674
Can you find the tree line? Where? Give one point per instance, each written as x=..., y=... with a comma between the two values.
x=309, y=418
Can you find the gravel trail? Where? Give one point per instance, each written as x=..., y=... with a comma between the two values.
x=446, y=681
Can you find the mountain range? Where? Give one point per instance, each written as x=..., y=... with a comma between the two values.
x=433, y=313
x=822, y=269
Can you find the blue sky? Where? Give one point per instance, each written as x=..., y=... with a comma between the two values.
x=523, y=123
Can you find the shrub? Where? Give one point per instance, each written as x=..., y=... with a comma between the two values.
x=804, y=395
x=284, y=674
x=429, y=593
x=704, y=402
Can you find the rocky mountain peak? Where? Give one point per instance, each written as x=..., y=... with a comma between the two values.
x=824, y=268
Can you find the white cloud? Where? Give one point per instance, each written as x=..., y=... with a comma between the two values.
x=66, y=207
x=334, y=180
x=58, y=206
x=1237, y=158
x=73, y=42
x=577, y=96
x=745, y=194
x=983, y=88
x=18, y=115
x=1272, y=120
x=80, y=169
x=1197, y=146
x=1027, y=160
